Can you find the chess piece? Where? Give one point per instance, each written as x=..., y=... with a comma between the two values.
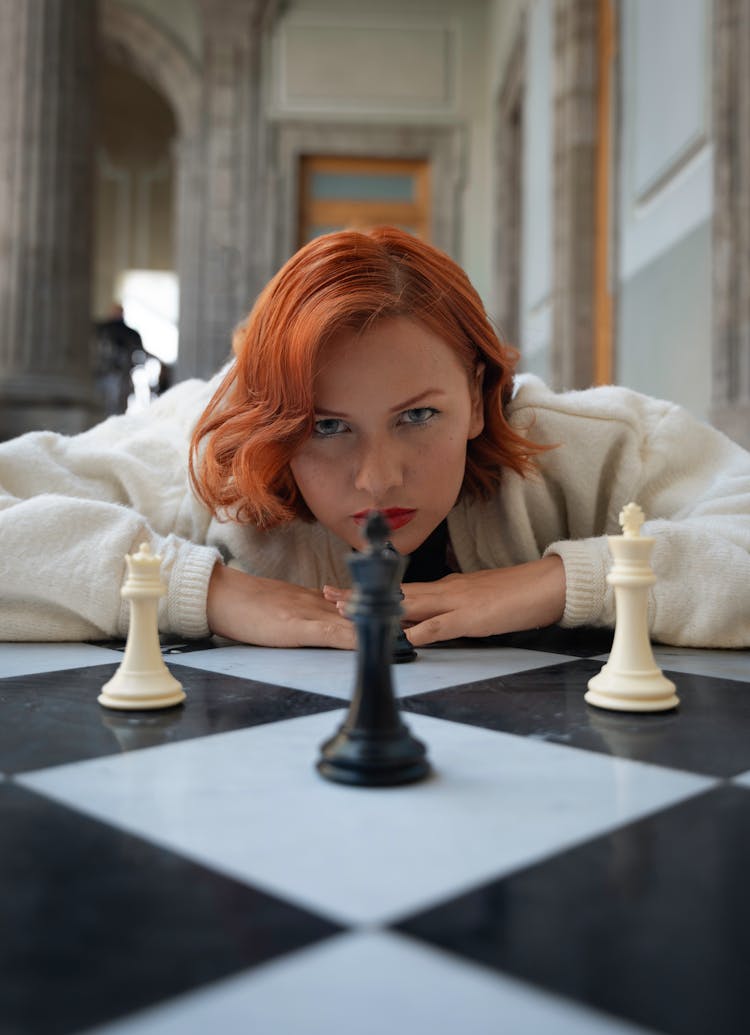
x=142, y=680
x=403, y=650
x=631, y=680
x=373, y=747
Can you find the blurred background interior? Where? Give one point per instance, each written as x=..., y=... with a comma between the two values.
x=586, y=161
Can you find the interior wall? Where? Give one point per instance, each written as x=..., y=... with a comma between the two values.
x=665, y=325
x=537, y=194
x=180, y=18
x=663, y=332
x=530, y=22
x=394, y=64
x=662, y=199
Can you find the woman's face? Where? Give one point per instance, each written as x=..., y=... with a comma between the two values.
x=394, y=411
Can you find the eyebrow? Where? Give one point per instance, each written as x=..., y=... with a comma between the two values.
x=405, y=405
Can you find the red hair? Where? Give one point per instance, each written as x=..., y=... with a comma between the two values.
x=263, y=410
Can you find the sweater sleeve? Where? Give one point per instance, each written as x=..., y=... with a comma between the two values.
x=693, y=484
x=71, y=508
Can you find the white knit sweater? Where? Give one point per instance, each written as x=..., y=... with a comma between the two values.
x=72, y=507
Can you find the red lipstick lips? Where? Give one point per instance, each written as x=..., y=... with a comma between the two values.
x=396, y=517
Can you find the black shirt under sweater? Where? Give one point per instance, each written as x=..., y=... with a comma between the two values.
x=429, y=562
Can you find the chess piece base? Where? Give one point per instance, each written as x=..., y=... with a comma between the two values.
x=141, y=691
x=365, y=760
x=403, y=655
x=631, y=691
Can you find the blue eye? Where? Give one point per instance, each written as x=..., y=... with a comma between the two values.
x=419, y=415
x=327, y=427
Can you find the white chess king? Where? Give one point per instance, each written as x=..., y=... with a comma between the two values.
x=631, y=680
x=142, y=680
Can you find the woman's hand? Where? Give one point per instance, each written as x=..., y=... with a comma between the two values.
x=271, y=613
x=482, y=603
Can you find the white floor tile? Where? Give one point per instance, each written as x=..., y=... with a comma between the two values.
x=722, y=664
x=251, y=804
x=19, y=659
x=332, y=672
x=368, y=984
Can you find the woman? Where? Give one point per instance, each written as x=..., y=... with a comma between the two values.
x=368, y=376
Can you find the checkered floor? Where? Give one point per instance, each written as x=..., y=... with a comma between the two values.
x=564, y=871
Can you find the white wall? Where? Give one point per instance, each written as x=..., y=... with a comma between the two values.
x=665, y=201
x=661, y=227
x=536, y=207
x=406, y=62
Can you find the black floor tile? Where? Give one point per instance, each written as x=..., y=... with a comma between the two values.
x=51, y=718
x=97, y=923
x=707, y=734
x=581, y=642
x=650, y=923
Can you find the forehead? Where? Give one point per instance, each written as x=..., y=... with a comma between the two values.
x=394, y=348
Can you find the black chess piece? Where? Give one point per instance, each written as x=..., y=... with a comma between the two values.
x=373, y=747
x=402, y=649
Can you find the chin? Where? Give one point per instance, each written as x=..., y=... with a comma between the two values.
x=407, y=541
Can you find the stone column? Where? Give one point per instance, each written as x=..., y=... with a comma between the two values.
x=575, y=96
x=47, y=60
x=731, y=220
x=508, y=148
x=188, y=162
x=230, y=186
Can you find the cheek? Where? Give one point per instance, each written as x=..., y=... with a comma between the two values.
x=304, y=470
x=314, y=477
x=446, y=456
x=449, y=467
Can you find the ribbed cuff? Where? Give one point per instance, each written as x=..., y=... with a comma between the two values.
x=588, y=598
x=188, y=590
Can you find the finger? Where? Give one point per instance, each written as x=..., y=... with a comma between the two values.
x=433, y=630
x=418, y=609
x=333, y=594
x=339, y=634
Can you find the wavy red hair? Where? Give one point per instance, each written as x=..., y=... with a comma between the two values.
x=263, y=410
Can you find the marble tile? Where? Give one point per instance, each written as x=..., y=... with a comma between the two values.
x=51, y=718
x=720, y=664
x=367, y=984
x=706, y=734
x=650, y=922
x=582, y=642
x=733, y=665
x=250, y=804
x=27, y=658
x=333, y=672
x=97, y=923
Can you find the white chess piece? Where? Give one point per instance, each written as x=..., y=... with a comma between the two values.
x=142, y=680
x=631, y=680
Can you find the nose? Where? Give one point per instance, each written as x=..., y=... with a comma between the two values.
x=379, y=469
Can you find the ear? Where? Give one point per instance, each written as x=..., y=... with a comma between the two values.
x=476, y=386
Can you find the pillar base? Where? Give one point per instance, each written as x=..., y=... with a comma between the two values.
x=46, y=402
x=67, y=420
